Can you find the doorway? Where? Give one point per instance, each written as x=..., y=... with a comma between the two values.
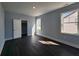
x=24, y=28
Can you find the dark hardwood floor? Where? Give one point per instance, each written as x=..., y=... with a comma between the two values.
x=37, y=46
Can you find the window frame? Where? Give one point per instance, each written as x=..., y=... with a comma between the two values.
x=76, y=22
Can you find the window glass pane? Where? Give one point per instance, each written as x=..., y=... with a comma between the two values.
x=70, y=28
x=67, y=13
x=66, y=19
x=73, y=17
x=69, y=22
x=38, y=24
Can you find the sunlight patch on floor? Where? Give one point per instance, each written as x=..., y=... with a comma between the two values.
x=48, y=42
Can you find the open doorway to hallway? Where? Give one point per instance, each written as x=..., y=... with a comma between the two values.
x=24, y=28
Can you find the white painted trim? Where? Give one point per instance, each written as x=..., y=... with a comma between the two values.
x=62, y=41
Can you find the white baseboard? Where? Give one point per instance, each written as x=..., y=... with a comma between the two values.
x=62, y=41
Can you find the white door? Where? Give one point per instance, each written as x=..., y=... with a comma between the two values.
x=17, y=28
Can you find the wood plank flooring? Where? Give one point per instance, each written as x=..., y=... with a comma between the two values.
x=37, y=46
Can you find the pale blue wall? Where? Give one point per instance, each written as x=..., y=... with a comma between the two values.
x=2, y=39
x=9, y=16
x=51, y=26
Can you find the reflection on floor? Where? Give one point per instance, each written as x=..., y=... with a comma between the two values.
x=48, y=42
x=37, y=46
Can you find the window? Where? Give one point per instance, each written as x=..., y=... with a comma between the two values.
x=69, y=22
x=38, y=24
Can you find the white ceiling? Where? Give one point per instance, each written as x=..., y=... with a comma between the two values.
x=27, y=7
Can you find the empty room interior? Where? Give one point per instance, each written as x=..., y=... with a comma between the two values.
x=39, y=28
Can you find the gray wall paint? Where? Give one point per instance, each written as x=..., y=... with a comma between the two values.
x=51, y=26
x=9, y=16
x=2, y=39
